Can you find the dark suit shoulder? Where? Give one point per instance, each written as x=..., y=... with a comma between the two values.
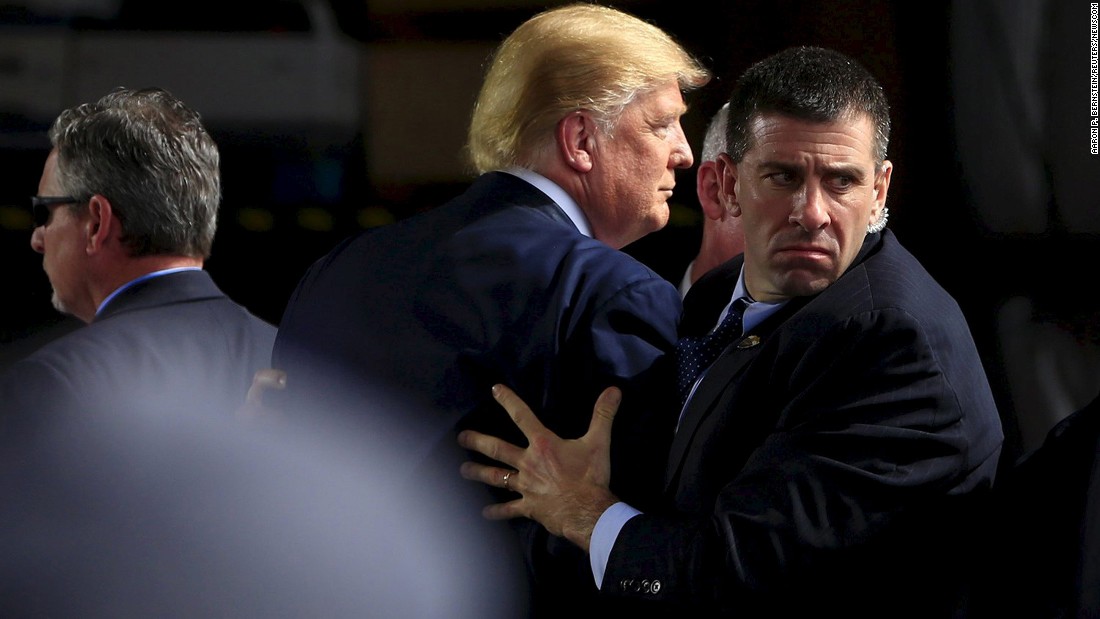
x=162, y=346
x=496, y=284
x=886, y=304
x=889, y=278
x=888, y=317
x=531, y=242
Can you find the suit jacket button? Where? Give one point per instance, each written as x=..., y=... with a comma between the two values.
x=624, y=584
x=656, y=587
x=645, y=586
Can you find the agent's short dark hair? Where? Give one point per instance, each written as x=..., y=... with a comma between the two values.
x=807, y=83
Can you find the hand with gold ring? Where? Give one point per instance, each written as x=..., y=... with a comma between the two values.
x=565, y=481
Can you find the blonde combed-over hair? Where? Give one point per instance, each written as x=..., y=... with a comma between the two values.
x=574, y=57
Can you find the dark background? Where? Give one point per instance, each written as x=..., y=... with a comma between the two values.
x=289, y=195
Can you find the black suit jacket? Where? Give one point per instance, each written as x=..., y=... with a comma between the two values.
x=496, y=286
x=174, y=342
x=823, y=463
x=1043, y=555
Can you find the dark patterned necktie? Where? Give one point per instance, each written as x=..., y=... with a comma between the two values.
x=695, y=354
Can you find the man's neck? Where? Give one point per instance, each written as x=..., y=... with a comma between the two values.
x=710, y=256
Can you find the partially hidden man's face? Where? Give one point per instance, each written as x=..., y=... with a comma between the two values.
x=61, y=243
x=635, y=170
x=806, y=192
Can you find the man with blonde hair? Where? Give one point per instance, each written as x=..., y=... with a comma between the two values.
x=576, y=135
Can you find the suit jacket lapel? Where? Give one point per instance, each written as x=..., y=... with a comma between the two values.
x=725, y=370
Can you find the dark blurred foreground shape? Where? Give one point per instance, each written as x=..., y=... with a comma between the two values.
x=1042, y=558
x=176, y=515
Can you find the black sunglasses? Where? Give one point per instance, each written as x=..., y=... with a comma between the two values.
x=40, y=207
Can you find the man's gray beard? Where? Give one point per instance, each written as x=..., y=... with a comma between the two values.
x=59, y=305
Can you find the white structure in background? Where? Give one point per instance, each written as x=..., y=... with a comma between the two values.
x=300, y=82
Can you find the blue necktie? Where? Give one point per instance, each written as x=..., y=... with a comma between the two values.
x=695, y=354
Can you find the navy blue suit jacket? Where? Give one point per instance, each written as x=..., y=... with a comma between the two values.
x=496, y=286
x=171, y=342
x=825, y=459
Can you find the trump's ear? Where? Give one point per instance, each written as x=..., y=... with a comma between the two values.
x=576, y=140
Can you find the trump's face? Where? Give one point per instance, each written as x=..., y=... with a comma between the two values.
x=633, y=172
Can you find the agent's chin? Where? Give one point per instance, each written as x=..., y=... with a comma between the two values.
x=802, y=284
